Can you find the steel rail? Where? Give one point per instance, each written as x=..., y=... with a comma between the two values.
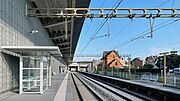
x=124, y=90
x=91, y=90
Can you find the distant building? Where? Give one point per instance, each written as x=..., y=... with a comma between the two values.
x=112, y=59
x=97, y=63
x=137, y=62
x=151, y=60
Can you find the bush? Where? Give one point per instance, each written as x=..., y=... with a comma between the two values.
x=148, y=66
x=99, y=68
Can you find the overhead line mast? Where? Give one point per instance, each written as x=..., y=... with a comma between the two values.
x=103, y=12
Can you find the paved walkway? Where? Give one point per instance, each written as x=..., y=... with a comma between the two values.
x=67, y=91
x=62, y=89
x=47, y=96
x=61, y=93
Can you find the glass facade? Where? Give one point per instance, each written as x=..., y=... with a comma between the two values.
x=35, y=74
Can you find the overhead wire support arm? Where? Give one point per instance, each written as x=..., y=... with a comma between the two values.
x=102, y=12
x=151, y=21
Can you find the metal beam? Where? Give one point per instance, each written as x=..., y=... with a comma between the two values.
x=80, y=62
x=66, y=51
x=64, y=48
x=60, y=37
x=72, y=28
x=96, y=55
x=104, y=12
x=57, y=24
x=65, y=43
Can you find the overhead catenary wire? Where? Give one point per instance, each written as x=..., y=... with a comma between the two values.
x=142, y=35
x=86, y=33
x=147, y=30
x=166, y=45
x=127, y=26
x=90, y=24
x=88, y=27
x=158, y=6
x=101, y=25
x=115, y=35
x=105, y=35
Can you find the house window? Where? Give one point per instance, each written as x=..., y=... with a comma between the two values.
x=116, y=64
x=113, y=56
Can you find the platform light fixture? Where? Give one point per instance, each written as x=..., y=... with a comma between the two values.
x=33, y=31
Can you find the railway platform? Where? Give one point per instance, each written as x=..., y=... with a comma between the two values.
x=64, y=89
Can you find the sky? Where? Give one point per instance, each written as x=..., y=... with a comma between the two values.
x=164, y=39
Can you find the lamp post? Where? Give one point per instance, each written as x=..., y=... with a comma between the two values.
x=164, y=76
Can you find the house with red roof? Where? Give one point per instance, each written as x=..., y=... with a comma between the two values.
x=112, y=59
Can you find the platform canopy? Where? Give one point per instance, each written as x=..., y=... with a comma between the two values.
x=63, y=32
x=34, y=50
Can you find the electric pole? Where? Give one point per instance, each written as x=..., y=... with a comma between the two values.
x=164, y=77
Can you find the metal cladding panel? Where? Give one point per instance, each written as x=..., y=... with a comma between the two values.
x=16, y=26
x=15, y=30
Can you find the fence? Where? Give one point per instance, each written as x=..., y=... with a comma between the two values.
x=172, y=79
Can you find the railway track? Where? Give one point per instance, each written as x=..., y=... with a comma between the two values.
x=106, y=92
x=84, y=91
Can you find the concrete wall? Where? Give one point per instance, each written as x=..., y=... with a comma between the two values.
x=9, y=72
x=54, y=65
x=15, y=29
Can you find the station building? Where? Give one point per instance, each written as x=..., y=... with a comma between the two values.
x=32, y=48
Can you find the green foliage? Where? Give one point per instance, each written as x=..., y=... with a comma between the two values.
x=133, y=64
x=125, y=69
x=148, y=66
x=99, y=68
x=108, y=69
x=133, y=70
x=160, y=79
x=173, y=61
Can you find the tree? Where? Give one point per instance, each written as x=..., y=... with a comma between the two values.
x=125, y=69
x=148, y=66
x=173, y=61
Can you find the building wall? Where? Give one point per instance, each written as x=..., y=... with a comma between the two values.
x=54, y=65
x=138, y=63
x=9, y=72
x=113, y=56
x=116, y=64
x=15, y=29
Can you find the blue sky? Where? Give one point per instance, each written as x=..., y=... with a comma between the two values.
x=165, y=39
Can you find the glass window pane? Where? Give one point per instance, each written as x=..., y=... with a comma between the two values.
x=45, y=84
x=31, y=62
x=31, y=74
x=31, y=86
x=46, y=62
